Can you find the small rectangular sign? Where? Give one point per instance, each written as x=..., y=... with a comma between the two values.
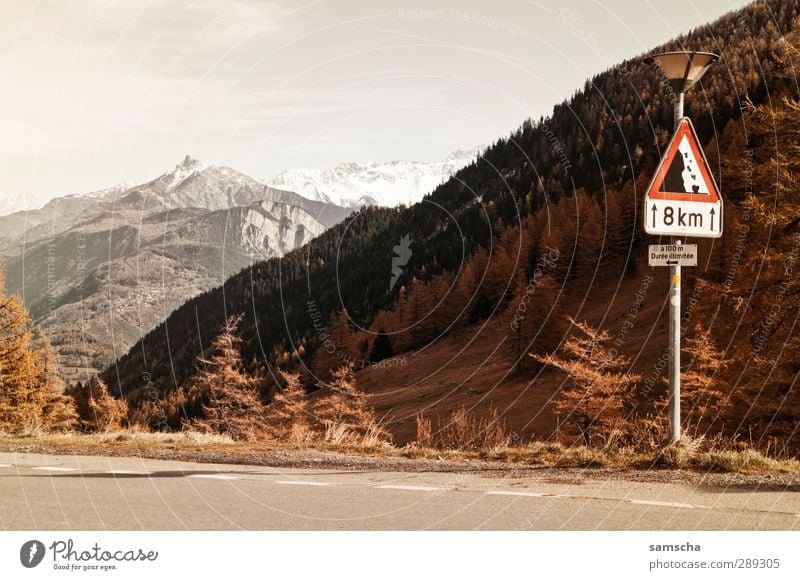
x=664, y=217
x=672, y=255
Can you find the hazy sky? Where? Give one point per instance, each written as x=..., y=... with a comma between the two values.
x=95, y=92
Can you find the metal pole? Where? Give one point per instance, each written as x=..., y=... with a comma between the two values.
x=678, y=110
x=675, y=329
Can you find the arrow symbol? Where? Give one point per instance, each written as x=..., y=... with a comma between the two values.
x=672, y=262
x=654, y=216
x=712, y=212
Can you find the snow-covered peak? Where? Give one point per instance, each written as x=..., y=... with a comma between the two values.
x=387, y=183
x=186, y=168
x=189, y=163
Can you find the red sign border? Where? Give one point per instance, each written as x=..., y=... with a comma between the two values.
x=685, y=128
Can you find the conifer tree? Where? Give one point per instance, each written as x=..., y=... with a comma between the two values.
x=342, y=407
x=703, y=399
x=598, y=390
x=97, y=410
x=23, y=390
x=459, y=304
x=234, y=406
x=534, y=318
x=336, y=348
x=618, y=231
x=591, y=237
x=381, y=347
x=288, y=414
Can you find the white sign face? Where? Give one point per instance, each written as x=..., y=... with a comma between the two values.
x=667, y=217
x=672, y=255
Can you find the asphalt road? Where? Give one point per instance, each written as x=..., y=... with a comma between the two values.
x=52, y=492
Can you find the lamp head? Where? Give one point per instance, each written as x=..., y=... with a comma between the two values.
x=683, y=68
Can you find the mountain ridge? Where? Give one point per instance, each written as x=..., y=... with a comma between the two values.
x=388, y=183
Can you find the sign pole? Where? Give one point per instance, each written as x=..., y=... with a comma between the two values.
x=675, y=354
x=682, y=201
x=675, y=327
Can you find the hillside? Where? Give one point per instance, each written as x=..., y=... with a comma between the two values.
x=570, y=184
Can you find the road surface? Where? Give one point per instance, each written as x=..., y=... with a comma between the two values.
x=62, y=492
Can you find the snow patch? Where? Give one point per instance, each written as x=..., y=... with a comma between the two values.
x=379, y=183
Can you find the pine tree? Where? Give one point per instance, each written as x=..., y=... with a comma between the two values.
x=534, y=318
x=591, y=237
x=342, y=408
x=234, y=406
x=60, y=414
x=414, y=316
x=764, y=296
x=703, y=400
x=457, y=308
x=381, y=347
x=618, y=232
x=336, y=348
x=598, y=390
x=23, y=390
x=97, y=410
x=499, y=282
x=288, y=414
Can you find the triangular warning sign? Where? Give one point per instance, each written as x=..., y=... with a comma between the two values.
x=683, y=173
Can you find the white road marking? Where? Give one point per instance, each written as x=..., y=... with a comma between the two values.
x=213, y=476
x=632, y=501
x=412, y=487
x=667, y=504
x=4, y=465
x=318, y=483
x=55, y=468
x=521, y=493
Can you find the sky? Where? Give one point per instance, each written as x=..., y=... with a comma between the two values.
x=96, y=92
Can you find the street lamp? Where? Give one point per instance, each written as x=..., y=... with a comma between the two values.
x=682, y=69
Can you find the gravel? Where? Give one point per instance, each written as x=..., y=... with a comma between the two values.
x=318, y=459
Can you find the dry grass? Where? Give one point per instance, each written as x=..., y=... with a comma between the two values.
x=723, y=460
x=464, y=431
x=544, y=454
x=371, y=436
x=556, y=455
x=123, y=437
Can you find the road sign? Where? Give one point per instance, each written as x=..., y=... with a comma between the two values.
x=683, y=199
x=672, y=255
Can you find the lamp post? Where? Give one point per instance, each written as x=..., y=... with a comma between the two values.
x=682, y=69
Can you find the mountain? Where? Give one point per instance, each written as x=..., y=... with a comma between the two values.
x=22, y=202
x=379, y=183
x=191, y=184
x=19, y=202
x=31, y=225
x=561, y=194
x=99, y=270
